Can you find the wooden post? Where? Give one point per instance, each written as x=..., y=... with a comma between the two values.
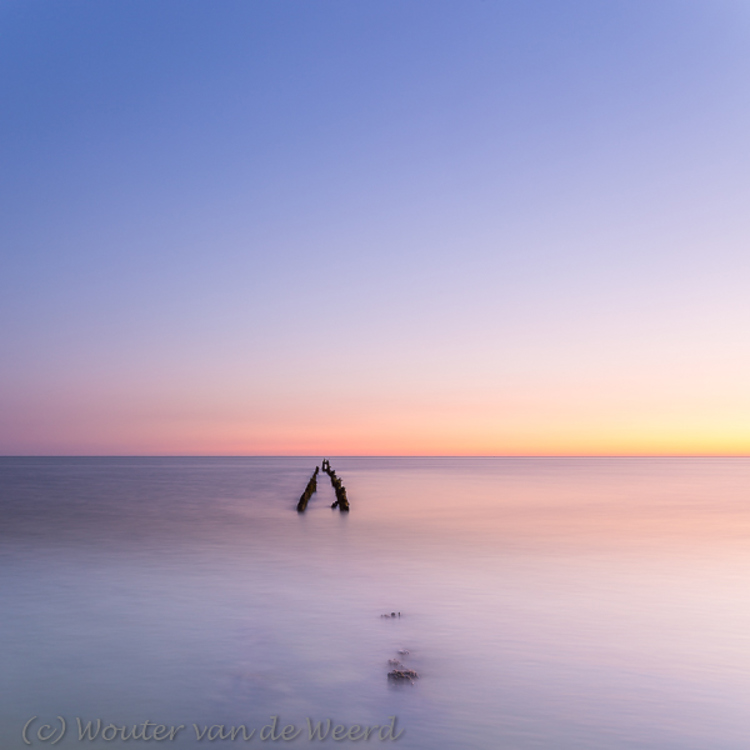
x=312, y=487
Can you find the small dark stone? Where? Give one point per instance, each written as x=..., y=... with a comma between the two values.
x=403, y=675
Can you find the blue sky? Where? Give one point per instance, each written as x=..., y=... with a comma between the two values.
x=471, y=226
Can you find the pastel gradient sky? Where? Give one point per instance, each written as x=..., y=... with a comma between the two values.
x=375, y=227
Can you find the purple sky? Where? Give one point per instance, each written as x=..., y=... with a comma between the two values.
x=375, y=227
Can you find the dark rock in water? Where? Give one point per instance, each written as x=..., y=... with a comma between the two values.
x=403, y=675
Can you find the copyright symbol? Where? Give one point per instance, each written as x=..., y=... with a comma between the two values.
x=45, y=733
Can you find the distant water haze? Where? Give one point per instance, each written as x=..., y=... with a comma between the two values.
x=566, y=603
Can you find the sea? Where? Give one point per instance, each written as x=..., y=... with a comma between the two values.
x=545, y=603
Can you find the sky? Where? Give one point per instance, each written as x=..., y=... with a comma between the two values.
x=383, y=227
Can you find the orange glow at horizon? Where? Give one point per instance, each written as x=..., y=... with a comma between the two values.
x=421, y=430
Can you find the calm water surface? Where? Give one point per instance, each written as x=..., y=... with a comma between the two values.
x=546, y=603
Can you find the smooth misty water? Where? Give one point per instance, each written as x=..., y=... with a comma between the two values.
x=547, y=603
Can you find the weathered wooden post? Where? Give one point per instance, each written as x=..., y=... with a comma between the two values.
x=311, y=488
x=338, y=487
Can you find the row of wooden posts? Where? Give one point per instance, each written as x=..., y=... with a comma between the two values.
x=342, y=503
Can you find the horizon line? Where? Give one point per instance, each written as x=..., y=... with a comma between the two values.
x=375, y=455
